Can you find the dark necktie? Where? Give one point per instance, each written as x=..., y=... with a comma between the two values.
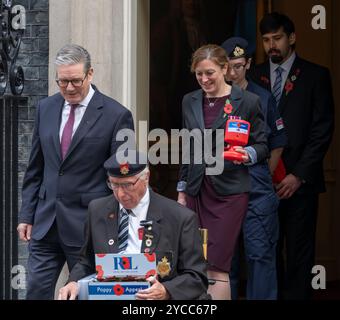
x=277, y=85
x=66, y=137
x=123, y=229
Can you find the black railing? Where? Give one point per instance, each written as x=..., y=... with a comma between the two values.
x=9, y=191
x=12, y=25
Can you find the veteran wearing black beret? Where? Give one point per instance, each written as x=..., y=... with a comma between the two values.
x=169, y=229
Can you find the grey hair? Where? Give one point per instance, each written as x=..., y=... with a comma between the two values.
x=143, y=173
x=73, y=54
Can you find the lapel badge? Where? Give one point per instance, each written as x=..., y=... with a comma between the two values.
x=111, y=242
x=146, y=250
x=124, y=168
x=163, y=267
x=148, y=242
x=140, y=233
x=146, y=224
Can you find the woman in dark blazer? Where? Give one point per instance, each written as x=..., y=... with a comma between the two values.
x=220, y=200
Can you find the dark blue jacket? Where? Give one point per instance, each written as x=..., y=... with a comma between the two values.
x=62, y=189
x=261, y=181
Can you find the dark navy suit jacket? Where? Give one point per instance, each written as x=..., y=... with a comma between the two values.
x=307, y=109
x=62, y=189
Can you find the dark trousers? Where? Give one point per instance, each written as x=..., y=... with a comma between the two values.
x=260, y=234
x=46, y=259
x=298, y=217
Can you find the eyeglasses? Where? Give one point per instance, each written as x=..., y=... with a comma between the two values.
x=62, y=83
x=125, y=186
x=237, y=67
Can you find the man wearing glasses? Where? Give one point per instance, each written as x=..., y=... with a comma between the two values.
x=260, y=226
x=115, y=225
x=75, y=132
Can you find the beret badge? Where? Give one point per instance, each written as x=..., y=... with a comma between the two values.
x=238, y=51
x=124, y=168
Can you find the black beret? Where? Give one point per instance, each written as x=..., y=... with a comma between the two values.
x=125, y=164
x=236, y=47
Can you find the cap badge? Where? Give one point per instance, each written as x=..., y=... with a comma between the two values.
x=238, y=51
x=124, y=168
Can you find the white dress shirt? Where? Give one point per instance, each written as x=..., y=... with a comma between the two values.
x=78, y=113
x=135, y=217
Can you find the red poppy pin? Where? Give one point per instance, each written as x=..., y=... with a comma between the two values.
x=265, y=79
x=228, y=108
x=289, y=86
x=118, y=290
x=124, y=168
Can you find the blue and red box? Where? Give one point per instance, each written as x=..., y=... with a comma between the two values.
x=118, y=276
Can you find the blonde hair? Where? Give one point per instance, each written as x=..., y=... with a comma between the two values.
x=211, y=52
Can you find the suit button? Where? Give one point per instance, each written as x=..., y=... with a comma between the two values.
x=61, y=173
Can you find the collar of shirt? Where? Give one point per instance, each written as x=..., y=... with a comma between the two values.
x=86, y=101
x=142, y=208
x=78, y=114
x=138, y=214
x=286, y=66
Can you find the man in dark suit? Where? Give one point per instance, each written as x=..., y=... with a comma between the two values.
x=303, y=93
x=172, y=232
x=75, y=132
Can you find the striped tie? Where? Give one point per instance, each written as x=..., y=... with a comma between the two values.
x=123, y=230
x=277, y=85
